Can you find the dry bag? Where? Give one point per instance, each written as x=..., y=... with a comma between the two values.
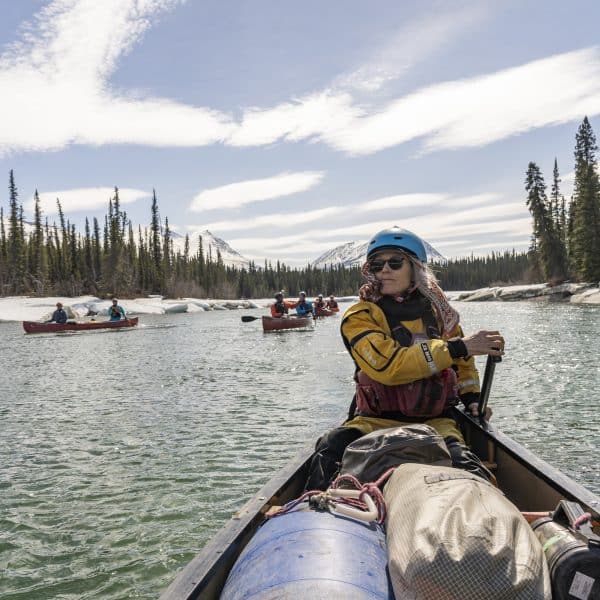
x=453, y=536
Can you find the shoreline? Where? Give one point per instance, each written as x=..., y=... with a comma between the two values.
x=575, y=293
x=30, y=308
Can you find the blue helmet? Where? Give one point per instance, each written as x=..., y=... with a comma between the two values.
x=396, y=238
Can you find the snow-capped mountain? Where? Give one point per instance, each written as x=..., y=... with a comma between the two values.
x=354, y=254
x=230, y=256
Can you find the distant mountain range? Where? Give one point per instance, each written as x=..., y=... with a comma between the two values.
x=355, y=253
x=349, y=254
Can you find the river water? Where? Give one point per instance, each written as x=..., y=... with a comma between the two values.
x=123, y=452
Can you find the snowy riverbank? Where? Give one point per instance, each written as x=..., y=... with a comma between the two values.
x=19, y=308
x=23, y=308
x=576, y=293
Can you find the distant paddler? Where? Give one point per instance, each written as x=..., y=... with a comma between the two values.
x=332, y=304
x=281, y=307
x=59, y=315
x=116, y=312
x=304, y=307
x=319, y=303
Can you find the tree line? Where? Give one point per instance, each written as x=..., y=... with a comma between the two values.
x=565, y=241
x=113, y=257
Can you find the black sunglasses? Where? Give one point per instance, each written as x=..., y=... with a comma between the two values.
x=376, y=265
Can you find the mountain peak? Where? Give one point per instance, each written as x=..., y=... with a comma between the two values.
x=353, y=254
x=211, y=242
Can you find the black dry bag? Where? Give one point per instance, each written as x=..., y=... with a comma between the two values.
x=572, y=552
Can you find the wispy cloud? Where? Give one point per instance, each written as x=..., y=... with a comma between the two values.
x=238, y=194
x=401, y=201
x=481, y=110
x=84, y=199
x=457, y=224
x=56, y=92
x=275, y=219
x=55, y=83
x=306, y=118
x=419, y=39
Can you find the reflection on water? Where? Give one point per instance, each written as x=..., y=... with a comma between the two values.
x=123, y=451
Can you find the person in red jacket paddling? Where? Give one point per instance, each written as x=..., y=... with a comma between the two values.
x=280, y=307
x=332, y=304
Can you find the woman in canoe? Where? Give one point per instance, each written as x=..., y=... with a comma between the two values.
x=412, y=362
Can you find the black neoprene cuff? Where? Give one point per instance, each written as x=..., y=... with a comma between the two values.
x=469, y=398
x=457, y=348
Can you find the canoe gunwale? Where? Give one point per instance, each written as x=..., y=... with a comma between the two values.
x=205, y=573
x=542, y=470
x=283, y=324
x=37, y=327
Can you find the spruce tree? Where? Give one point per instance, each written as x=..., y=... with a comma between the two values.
x=15, y=241
x=584, y=242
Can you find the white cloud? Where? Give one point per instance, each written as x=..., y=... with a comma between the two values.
x=55, y=92
x=481, y=110
x=76, y=200
x=455, y=114
x=275, y=220
x=305, y=118
x=413, y=44
x=238, y=194
x=443, y=229
x=401, y=201
x=55, y=88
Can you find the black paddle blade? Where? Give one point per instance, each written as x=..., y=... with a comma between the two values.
x=248, y=318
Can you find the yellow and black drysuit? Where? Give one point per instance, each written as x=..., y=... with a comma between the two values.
x=396, y=346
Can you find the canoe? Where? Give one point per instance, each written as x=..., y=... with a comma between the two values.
x=36, y=327
x=281, y=323
x=533, y=485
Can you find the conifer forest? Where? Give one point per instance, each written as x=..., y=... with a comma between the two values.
x=114, y=257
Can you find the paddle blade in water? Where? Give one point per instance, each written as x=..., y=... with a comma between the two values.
x=248, y=318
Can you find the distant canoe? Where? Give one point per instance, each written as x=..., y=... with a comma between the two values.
x=281, y=323
x=325, y=312
x=35, y=327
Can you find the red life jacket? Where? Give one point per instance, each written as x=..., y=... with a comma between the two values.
x=428, y=397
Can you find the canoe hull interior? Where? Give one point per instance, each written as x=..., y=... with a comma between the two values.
x=281, y=323
x=530, y=483
x=35, y=327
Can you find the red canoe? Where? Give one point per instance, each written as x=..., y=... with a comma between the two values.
x=280, y=323
x=324, y=312
x=35, y=327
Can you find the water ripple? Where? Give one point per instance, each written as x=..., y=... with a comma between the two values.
x=123, y=454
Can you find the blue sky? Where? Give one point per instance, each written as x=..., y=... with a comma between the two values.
x=287, y=128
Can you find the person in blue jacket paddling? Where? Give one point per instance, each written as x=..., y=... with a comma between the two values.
x=304, y=307
x=59, y=315
x=116, y=312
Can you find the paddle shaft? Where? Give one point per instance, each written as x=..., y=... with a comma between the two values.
x=486, y=386
x=249, y=318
